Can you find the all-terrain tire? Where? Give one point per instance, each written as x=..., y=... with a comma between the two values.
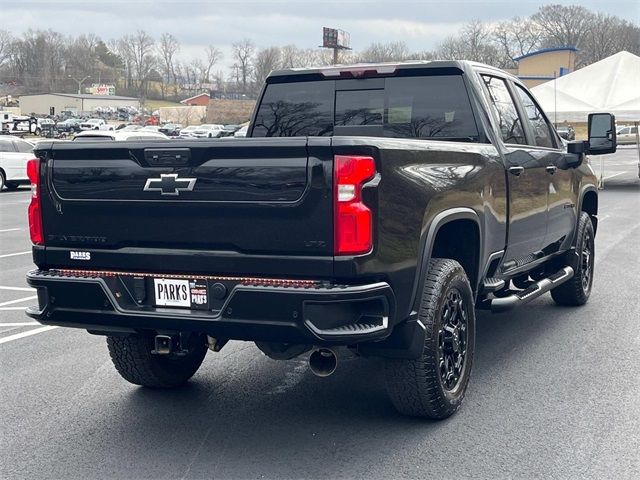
x=2, y=180
x=132, y=357
x=418, y=387
x=576, y=291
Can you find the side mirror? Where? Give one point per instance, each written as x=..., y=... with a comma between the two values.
x=602, y=133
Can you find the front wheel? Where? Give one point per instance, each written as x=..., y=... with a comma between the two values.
x=577, y=290
x=132, y=357
x=434, y=385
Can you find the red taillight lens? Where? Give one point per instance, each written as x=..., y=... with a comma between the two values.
x=353, y=229
x=35, y=211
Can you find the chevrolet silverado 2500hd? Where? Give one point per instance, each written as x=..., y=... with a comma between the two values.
x=373, y=207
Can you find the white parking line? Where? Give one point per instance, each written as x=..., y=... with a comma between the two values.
x=10, y=230
x=15, y=324
x=18, y=289
x=17, y=336
x=9, y=309
x=19, y=300
x=14, y=254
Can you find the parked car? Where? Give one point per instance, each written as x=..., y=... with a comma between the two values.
x=242, y=132
x=120, y=135
x=567, y=132
x=171, y=129
x=70, y=125
x=92, y=124
x=208, y=131
x=14, y=154
x=150, y=128
x=373, y=208
x=34, y=127
x=187, y=131
x=627, y=134
x=229, y=130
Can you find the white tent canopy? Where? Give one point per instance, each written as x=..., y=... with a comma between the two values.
x=611, y=85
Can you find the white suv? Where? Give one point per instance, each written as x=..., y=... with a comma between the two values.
x=92, y=124
x=208, y=131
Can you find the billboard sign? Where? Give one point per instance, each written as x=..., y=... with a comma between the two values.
x=335, y=38
x=101, y=89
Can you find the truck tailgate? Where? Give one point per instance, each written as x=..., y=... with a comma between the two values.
x=213, y=201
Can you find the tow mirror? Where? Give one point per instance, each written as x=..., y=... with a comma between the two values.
x=602, y=133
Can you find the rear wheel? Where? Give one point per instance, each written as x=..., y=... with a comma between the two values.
x=132, y=357
x=577, y=290
x=2, y=180
x=434, y=384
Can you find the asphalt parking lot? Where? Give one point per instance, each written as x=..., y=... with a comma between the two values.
x=554, y=392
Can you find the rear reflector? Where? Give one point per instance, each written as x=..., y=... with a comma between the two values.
x=353, y=225
x=35, y=210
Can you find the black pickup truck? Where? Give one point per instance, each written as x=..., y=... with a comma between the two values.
x=373, y=207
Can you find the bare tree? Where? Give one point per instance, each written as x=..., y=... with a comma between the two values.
x=384, y=52
x=214, y=55
x=168, y=47
x=198, y=71
x=6, y=43
x=563, y=25
x=516, y=37
x=608, y=35
x=472, y=43
x=243, y=55
x=37, y=60
x=140, y=48
x=266, y=61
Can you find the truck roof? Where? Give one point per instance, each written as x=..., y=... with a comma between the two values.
x=382, y=68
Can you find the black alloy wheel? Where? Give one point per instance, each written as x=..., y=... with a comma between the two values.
x=452, y=340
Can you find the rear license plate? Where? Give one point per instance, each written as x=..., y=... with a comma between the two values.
x=169, y=292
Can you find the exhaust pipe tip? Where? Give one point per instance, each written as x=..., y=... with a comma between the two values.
x=323, y=362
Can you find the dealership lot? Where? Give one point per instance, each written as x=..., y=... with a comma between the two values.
x=554, y=390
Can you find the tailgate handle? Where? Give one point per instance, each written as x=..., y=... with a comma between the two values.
x=162, y=157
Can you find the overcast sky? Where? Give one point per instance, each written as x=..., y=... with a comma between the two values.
x=421, y=24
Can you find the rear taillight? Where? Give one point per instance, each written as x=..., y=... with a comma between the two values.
x=35, y=210
x=353, y=229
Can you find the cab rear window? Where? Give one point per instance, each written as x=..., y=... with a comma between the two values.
x=405, y=107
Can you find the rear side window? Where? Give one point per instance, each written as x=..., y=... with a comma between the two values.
x=435, y=106
x=23, y=147
x=6, y=145
x=429, y=107
x=295, y=109
x=509, y=123
x=542, y=132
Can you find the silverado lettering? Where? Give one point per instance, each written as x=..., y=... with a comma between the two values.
x=371, y=207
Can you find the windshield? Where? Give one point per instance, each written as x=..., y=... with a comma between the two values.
x=434, y=106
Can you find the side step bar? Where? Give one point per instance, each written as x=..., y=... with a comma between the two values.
x=534, y=291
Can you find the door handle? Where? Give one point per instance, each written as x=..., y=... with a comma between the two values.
x=551, y=169
x=517, y=171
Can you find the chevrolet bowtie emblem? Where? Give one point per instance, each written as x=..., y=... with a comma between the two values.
x=169, y=184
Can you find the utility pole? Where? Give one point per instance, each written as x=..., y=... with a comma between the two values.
x=79, y=82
